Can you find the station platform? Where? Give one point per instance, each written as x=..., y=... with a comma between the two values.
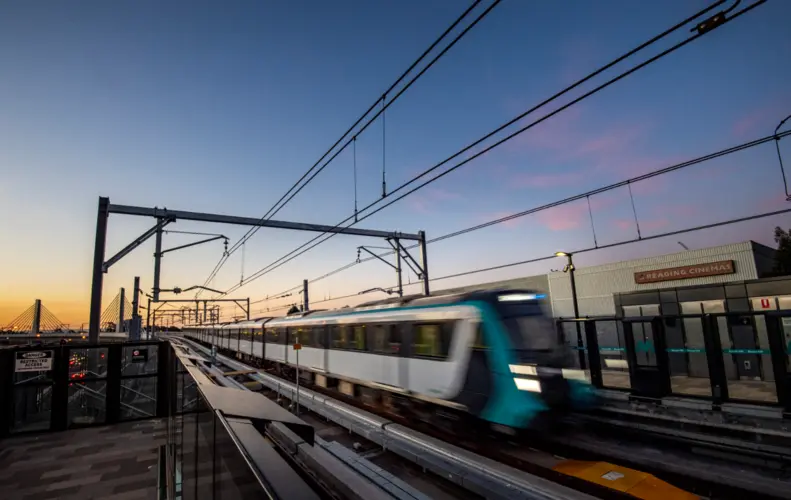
x=117, y=461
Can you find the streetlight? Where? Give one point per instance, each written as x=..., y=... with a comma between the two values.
x=569, y=268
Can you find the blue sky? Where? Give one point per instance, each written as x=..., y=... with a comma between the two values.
x=221, y=107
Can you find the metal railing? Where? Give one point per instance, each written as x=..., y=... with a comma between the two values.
x=54, y=388
x=722, y=357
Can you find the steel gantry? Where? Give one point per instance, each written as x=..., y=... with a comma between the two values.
x=164, y=217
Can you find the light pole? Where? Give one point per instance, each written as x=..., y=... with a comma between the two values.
x=569, y=268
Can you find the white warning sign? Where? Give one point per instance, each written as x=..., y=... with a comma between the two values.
x=33, y=361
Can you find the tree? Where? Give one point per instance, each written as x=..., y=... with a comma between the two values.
x=783, y=254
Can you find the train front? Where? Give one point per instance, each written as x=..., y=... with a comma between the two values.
x=544, y=380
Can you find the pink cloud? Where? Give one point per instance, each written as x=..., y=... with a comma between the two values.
x=545, y=180
x=423, y=201
x=572, y=215
x=682, y=210
x=761, y=120
x=513, y=223
x=645, y=225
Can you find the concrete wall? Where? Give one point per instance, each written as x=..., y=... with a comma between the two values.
x=596, y=285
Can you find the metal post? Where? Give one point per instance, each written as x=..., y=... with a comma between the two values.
x=134, y=330
x=197, y=311
x=398, y=270
x=36, y=327
x=248, y=309
x=305, y=301
x=575, y=304
x=157, y=260
x=296, y=341
x=204, y=311
x=98, y=275
x=148, y=320
x=119, y=326
x=424, y=262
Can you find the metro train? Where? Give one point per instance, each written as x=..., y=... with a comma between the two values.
x=492, y=355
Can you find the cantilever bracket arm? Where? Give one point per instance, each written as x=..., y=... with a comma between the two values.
x=180, y=247
x=241, y=307
x=136, y=243
x=374, y=255
x=417, y=268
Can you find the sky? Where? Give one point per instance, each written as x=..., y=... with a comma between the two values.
x=221, y=107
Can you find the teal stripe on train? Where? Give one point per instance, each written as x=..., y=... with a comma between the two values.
x=507, y=405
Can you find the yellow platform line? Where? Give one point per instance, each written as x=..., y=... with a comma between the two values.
x=635, y=483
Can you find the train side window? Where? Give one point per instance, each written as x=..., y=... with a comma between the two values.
x=340, y=336
x=358, y=341
x=479, y=342
x=271, y=336
x=281, y=335
x=380, y=338
x=318, y=337
x=431, y=340
x=394, y=340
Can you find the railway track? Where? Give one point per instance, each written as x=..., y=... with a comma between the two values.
x=710, y=466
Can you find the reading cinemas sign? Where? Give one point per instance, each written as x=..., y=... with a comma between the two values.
x=685, y=272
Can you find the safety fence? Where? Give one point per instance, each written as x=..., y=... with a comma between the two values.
x=53, y=388
x=724, y=357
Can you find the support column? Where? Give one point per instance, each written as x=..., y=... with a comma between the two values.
x=197, y=312
x=204, y=311
x=398, y=269
x=248, y=308
x=36, y=327
x=134, y=327
x=305, y=300
x=119, y=325
x=98, y=275
x=157, y=259
x=148, y=320
x=424, y=262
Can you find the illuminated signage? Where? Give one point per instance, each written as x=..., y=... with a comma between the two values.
x=685, y=272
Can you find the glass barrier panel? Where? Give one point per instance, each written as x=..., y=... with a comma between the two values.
x=139, y=398
x=32, y=408
x=686, y=353
x=747, y=357
x=87, y=402
x=612, y=352
x=235, y=480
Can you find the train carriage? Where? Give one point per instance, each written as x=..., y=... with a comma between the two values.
x=494, y=355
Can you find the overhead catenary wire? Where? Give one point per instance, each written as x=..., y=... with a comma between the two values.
x=577, y=197
x=299, y=250
x=586, y=250
x=274, y=209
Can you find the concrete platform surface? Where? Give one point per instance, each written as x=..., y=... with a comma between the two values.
x=118, y=462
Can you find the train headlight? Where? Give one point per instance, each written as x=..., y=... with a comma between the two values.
x=571, y=374
x=529, y=370
x=527, y=384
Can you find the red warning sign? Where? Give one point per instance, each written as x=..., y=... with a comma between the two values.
x=297, y=347
x=764, y=303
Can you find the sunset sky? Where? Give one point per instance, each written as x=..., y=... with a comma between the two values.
x=221, y=108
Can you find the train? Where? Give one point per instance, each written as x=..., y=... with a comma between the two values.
x=491, y=357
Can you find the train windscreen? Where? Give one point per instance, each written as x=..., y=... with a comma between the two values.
x=528, y=327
